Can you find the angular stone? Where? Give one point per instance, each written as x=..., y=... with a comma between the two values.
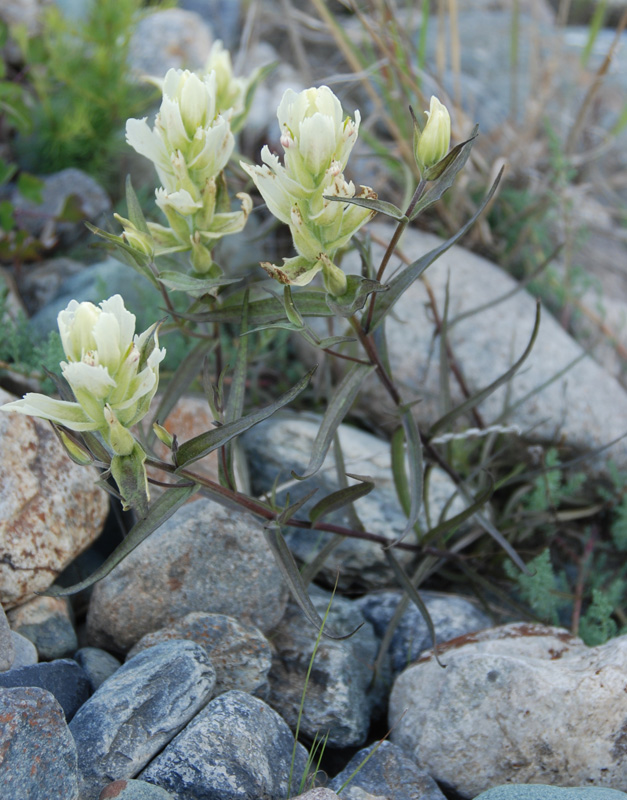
x=240, y=654
x=37, y=751
x=25, y=651
x=138, y=711
x=536, y=791
x=338, y=699
x=452, y=616
x=50, y=509
x=47, y=622
x=133, y=790
x=387, y=772
x=62, y=678
x=98, y=665
x=7, y=648
x=204, y=558
x=235, y=749
x=317, y=793
x=521, y=700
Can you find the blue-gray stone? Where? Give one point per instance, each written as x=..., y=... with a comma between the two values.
x=98, y=665
x=138, y=710
x=237, y=748
x=388, y=772
x=133, y=790
x=7, y=648
x=25, y=651
x=37, y=752
x=62, y=678
x=54, y=637
x=452, y=616
x=519, y=791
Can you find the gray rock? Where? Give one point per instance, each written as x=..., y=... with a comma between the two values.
x=25, y=651
x=204, y=558
x=37, y=752
x=39, y=285
x=520, y=700
x=338, y=700
x=138, y=711
x=452, y=616
x=236, y=748
x=47, y=622
x=7, y=648
x=133, y=790
x=62, y=678
x=222, y=16
x=518, y=791
x=284, y=443
x=317, y=793
x=169, y=39
x=240, y=654
x=388, y=772
x=98, y=665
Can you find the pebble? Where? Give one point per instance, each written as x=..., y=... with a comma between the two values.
x=138, y=711
x=47, y=622
x=25, y=651
x=62, y=678
x=7, y=648
x=235, y=749
x=204, y=558
x=240, y=654
x=133, y=790
x=521, y=699
x=170, y=38
x=37, y=751
x=98, y=665
x=50, y=509
x=516, y=791
x=388, y=772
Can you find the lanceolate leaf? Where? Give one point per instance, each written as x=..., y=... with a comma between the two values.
x=338, y=407
x=399, y=284
x=408, y=488
x=293, y=509
x=452, y=523
x=180, y=281
x=381, y=206
x=200, y=446
x=161, y=510
x=342, y=497
x=135, y=213
x=264, y=312
x=126, y=254
x=357, y=292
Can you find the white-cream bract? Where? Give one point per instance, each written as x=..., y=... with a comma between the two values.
x=434, y=141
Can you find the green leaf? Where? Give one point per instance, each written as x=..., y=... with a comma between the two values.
x=355, y=297
x=7, y=171
x=291, y=510
x=264, y=312
x=200, y=446
x=340, y=498
x=380, y=206
x=135, y=213
x=452, y=523
x=481, y=395
x=437, y=170
x=338, y=407
x=330, y=341
x=126, y=254
x=410, y=495
x=399, y=284
x=30, y=187
x=161, y=510
x=182, y=282
x=129, y=473
x=7, y=220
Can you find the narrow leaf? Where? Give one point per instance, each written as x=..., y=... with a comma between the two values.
x=342, y=497
x=452, y=523
x=263, y=312
x=293, y=509
x=181, y=282
x=135, y=213
x=338, y=407
x=161, y=510
x=354, y=299
x=381, y=206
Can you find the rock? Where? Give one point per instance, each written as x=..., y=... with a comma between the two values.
x=41, y=219
x=46, y=621
x=24, y=12
x=236, y=748
x=50, y=508
x=37, y=752
x=338, y=700
x=39, y=284
x=138, y=711
x=133, y=790
x=7, y=648
x=388, y=772
x=169, y=39
x=536, y=791
x=222, y=16
x=452, y=616
x=585, y=408
x=204, y=558
x=521, y=699
x=318, y=793
x=63, y=678
x=284, y=443
x=25, y=651
x=98, y=665
x=240, y=654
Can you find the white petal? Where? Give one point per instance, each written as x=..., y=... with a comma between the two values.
x=92, y=378
x=147, y=142
x=317, y=142
x=38, y=405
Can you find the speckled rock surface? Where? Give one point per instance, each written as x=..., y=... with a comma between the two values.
x=47, y=622
x=204, y=558
x=235, y=748
x=521, y=699
x=138, y=711
x=545, y=792
x=170, y=38
x=25, y=651
x=50, y=509
x=63, y=678
x=240, y=654
x=97, y=664
x=37, y=751
x=133, y=790
x=7, y=648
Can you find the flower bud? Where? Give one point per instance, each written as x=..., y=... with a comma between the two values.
x=432, y=144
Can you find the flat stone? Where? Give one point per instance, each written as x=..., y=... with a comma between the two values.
x=47, y=622
x=204, y=558
x=522, y=700
x=25, y=651
x=98, y=665
x=7, y=648
x=62, y=678
x=234, y=749
x=169, y=39
x=50, y=508
x=37, y=751
x=133, y=790
x=138, y=711
x=517, y=791
x=240, y=654
x=387, y=772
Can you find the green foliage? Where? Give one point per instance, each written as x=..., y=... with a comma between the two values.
x=541, y=588
x=597, y=625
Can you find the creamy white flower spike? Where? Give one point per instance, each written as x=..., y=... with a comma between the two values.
x=434, y=141
x=112, y=372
